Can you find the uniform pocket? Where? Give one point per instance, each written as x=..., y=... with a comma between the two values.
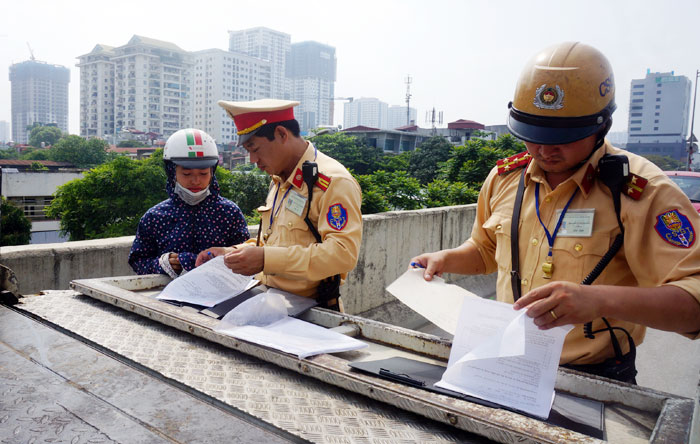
x=580, y=254
x=498, y=227
x=294, y=231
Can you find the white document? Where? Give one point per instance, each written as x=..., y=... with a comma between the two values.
x=207, y=285
x=294, y=336
x=500, y=355
x=437, y=301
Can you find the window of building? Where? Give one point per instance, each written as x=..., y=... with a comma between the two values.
x=636, y=114
x=658, y=91
x=656, y=121
x=658, y=99
x=637, y=100
x=636, y=121
x=636, y=129
x=657, y=107
x=656, y=128
x=638, y=93
x=641, y=85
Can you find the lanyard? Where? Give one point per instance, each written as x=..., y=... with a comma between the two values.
x=551, y=237
x=273, y=213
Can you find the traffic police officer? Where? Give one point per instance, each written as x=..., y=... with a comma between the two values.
x=311, y=225
x=574, y=211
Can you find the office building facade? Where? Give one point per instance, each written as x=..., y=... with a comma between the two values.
x=226, y=75
x=97, y=92
x=397, y=116
x=366, y=111
x=311, y=71
x=270, y=45
x=659, y=115
x=5, y=134
x=39, y=94
x=152, y=82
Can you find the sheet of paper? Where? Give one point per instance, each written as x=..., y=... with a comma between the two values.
x=294, y=336
x=500, y=355
x=436, y=300
x=207, y=285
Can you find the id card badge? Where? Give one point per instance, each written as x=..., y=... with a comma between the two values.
x=296, y=203
x=576, y=223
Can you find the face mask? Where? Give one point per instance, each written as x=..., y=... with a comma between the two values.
x=189, y=197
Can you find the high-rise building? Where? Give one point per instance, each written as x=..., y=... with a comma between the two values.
x=5, y=135
x=225, y=75
x=659, y=114
x=398, y=117
x=97, y=92
x=39, y=95
x=266, y=44
x=311, y=72
x=366, y=111
x=152, y=83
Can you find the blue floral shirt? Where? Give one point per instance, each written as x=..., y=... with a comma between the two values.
x=176, y=227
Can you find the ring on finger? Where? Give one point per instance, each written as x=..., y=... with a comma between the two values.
x=554, y=315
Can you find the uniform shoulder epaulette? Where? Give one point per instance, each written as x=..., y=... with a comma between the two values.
x=323, y=181
x=635, y=186
x=513, y=162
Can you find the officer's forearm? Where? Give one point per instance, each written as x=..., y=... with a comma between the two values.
x=668, y=307
x=464, y=259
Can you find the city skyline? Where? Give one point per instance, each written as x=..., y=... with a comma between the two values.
x=464, y=57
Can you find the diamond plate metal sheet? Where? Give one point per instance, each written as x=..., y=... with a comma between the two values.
x=303, y=406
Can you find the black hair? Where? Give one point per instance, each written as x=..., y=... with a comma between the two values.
x=268, y=131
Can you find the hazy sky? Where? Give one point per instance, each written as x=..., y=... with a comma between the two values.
x=464, y=56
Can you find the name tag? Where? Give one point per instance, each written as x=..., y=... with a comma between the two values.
x=576, y=223
x=296, y=203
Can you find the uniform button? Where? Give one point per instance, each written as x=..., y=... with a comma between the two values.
x=289, y=224
x=578, y=247
x=499, y=226
x=547, y=199
x=534, y=242
x=525, y=282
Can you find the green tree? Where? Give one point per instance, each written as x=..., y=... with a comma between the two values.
x=440, y=193
x=247, y=189
x=472, y=162
x=49, y=135
x=426, y=159
x=394, y=162
x=35, y=154
x=373, y=200
x=400, y=191
x=15, y=226
x=79, y=152
x=666, y=163
x=352, y=152
x=10, y=153
x=110, y=199
x=36, y=166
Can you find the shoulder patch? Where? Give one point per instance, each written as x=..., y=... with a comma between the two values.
x=323, y=181
x=337, y=216
x=675, y=228
x=513, y=162
x=635, y=186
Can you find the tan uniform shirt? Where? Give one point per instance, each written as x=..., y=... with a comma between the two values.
x=294, y=261
x=645, y=260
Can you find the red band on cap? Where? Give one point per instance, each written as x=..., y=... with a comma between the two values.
x=247, y=120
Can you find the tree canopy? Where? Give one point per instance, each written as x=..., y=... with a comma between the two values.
x=426, y=159
x=78, y=151
x=666, y=163
x=49, y=135
x=349, y=150
x=16, y=228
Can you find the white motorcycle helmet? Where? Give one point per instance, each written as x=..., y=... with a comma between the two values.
x=192, y=149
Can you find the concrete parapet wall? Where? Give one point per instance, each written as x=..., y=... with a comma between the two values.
x=389, y=241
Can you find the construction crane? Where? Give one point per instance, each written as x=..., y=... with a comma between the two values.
x=31, y=53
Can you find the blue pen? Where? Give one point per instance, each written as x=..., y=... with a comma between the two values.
x=417, y=264
x=209, y=254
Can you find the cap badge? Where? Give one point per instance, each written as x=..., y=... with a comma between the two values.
x=547, y=97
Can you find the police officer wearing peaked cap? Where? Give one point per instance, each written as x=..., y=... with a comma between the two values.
x=579, y=231
x=311, y=223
